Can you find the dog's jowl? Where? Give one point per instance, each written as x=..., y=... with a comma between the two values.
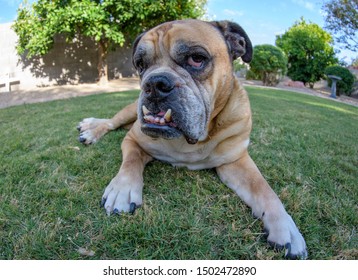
x=192, y=112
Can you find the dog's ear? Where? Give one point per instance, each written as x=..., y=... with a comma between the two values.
x=239, y=44
x=135, y=44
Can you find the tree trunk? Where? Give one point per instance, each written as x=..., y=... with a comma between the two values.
x=102, y=62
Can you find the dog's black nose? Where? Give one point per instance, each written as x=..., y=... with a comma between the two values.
x=158, y=87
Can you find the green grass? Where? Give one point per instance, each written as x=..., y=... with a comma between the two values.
x=50, y=185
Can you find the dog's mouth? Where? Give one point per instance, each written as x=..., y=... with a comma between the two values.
x=161, y=124
x=162, y=118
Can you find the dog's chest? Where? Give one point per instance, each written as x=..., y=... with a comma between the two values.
x=179, y=153
x=195, y=157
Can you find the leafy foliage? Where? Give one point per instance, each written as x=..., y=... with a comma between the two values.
x=342, y=19
x=309, y=51
x=344, y=86
x=269, y=63
x=250, y=75
x=108, y=22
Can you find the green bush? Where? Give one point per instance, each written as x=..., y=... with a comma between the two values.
x=345, y=86
x=250, y=75
x=269, y=62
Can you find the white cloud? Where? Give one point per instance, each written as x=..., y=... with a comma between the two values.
x=233, y=13
x=306, y=4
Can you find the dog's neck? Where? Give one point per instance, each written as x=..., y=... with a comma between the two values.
x=237, y=95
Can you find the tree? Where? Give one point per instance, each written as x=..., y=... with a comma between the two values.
x=109, y=22
x=309, y=51
x=341, y=18
x=269, y=62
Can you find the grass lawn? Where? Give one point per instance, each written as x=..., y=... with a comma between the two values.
x=51, y=185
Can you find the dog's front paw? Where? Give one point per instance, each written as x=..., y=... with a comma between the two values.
x=122, y=195
x=284, y=234
x=92, y=129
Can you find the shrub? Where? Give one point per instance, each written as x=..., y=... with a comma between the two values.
x=250, y=75
x=344, y=86
x=269, y=63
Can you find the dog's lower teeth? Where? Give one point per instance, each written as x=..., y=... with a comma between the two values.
x=149, y=118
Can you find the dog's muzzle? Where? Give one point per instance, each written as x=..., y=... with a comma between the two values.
x=160, y=110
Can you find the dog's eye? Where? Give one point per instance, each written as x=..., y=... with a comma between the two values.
x=140, y=71
x=196, y=61
x=139, y=64
x=140, y=68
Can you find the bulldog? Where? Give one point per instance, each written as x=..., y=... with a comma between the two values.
x=192, y=112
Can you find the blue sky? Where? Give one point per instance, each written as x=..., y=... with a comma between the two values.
x=262, y=19
x=8, y=10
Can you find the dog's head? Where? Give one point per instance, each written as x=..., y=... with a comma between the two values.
x=186, y=71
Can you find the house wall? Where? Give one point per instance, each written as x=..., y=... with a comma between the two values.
x=65, y=63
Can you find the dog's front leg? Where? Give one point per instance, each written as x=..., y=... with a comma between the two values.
x=92, y=129
x=246, y=180
x=124, y=193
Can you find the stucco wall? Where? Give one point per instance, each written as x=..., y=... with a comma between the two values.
x=66, y=63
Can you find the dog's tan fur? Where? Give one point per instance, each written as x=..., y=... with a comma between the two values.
x=223, y=145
